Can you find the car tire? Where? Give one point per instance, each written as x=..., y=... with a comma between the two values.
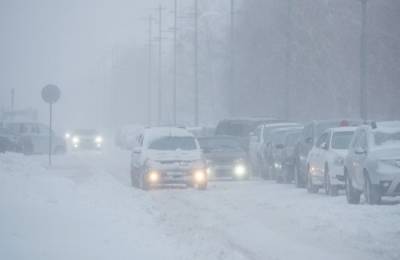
x=311, y=188
x=372, y=193
x=330, y=189
x=142, y=182
x=352, y=195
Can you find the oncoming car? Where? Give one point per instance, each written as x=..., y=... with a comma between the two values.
x=372, y=166
x=167, y=156
x=85, y=139
x=226, y=158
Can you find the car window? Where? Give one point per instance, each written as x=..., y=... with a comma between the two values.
x=341, y=140
x=214, y=144
x=307, y=132
x=386, y=138
x=172, y=143
x=257, y=132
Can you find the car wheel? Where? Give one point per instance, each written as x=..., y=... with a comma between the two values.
x=311, y=188
x=352, y=195
x=297, y=180
x=142, y=182
x=330, y=189
x=371, y=192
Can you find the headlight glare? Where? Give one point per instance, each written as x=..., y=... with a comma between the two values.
x=240, y=170
x=199, y=176
x=153, y=176
x=99, y=139
x=76, y=140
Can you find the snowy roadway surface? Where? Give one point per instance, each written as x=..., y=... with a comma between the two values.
x=84, y=208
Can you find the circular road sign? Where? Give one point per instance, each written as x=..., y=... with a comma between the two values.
x=51, y=94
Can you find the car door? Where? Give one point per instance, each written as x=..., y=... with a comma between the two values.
x=137, y=154
x=314, y=157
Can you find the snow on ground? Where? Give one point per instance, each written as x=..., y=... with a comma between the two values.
x=84, y=208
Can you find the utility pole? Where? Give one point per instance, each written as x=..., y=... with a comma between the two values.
x=196, y=65
x=12, y=99
x=288, y=59
x=174, y=109
x=159, y=90
x=363, y=62
x=149, y=72
x=231, y=88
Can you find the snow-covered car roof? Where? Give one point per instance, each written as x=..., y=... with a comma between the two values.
x=286, y=125
x=344, y=129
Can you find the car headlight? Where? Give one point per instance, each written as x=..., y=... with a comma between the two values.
x=199, y=176
x=240, y=170
x=153, y=176
x=98, y=139
x=76, y=140
x=339, y=161
x=67, y=136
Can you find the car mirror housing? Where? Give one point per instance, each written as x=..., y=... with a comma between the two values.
x=360, y=151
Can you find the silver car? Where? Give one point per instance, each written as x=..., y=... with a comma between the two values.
x=372, y=166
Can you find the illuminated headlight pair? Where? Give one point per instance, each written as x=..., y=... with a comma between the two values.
x=278, y=166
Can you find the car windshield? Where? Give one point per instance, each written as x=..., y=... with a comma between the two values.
x=387, y=138
x=321, y=127
x=173, y=143
x=341, y=140
x=85, y=132
x=213, y=144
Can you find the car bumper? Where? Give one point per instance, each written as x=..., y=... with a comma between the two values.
x=389, y=183
x=226, y=172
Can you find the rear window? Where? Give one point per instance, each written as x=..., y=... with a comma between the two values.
x=173, y=143
x=219, y=144
x=341, y=140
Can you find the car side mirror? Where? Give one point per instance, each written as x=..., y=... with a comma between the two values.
x=360, y=151
x=279, y=146
x=324, y=146
x=309, y=140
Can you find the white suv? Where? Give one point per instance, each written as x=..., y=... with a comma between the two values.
x=325, y=160
x=372, y=166
x=167, y=155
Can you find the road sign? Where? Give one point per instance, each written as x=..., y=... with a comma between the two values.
x=51, y=94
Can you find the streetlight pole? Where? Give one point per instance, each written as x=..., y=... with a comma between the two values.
x=231, y=89
x=149, y=73
x=174, y=111
x=363, y=62
x=196, y=65
x=159, y=91
x=288, y=59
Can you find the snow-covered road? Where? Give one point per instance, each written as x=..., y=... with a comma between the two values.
x=84, y=208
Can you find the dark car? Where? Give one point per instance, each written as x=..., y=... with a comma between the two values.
x=8, y=141
x=309, y=135
x=241, y=128
x=33, y=138
x=282, y=153
x=89, y=139
x=225, y=157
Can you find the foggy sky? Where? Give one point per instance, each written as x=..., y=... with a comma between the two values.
x=66, y=42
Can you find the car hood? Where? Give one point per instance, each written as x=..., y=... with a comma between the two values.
x=341, y=153
x=178, y=155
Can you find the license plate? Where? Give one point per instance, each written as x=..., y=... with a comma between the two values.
x=174, y=174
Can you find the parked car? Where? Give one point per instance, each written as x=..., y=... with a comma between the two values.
x=34, y=138
x=259, y=141
x=86, y=139
x=241, y=128
x=326, y=159
x=9, y=141
x=225, y=157
x=280, y=160
x=167, y=155
x=311, y=132
x=372, y=166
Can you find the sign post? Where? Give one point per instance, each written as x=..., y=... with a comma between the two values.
x=50, y=95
